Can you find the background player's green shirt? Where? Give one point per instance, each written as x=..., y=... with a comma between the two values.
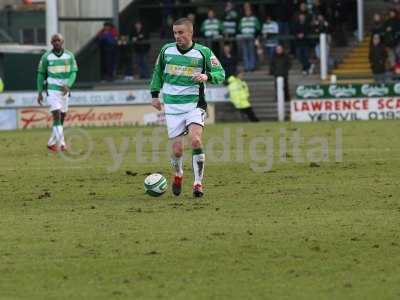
x=57, y=70
x=174, y=71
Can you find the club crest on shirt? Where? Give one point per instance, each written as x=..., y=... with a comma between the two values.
x=195, y=62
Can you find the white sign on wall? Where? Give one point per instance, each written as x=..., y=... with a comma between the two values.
x=382, y=108
x=85, y=98
x=8, y=119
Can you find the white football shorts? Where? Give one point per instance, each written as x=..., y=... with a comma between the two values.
x=178, y=124
x=58, y=102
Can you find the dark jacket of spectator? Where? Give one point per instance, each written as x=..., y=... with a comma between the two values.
x=228, y=61
x=140, y=39
x=377, y=26
x=280, y=65
x=377, y=58
x=392, y=29
x=301, y=30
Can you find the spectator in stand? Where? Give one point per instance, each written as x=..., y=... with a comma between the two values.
x=211, y=30
x=338, y=19
x=391, y=28
x=279, y=67
x=378, y=58
x=377, y=26
x=284, y=14
x=270, y=31
x=320, y=25
x=239, y=95
x=230, y=20
x=141, y=48
x=125, y=55
x=228, y=60
x=319, y=8
x=249, y=29
x=107, y=39
x=303, y=9
x=300, y=31
x=390, y=35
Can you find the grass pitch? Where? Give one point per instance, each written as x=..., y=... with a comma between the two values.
x=81, y=227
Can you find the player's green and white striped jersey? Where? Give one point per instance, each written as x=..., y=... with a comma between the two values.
x=57, y=69
x=174, y=71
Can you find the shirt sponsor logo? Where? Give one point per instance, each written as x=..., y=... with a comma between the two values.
x=181, y=70
x=60, y=69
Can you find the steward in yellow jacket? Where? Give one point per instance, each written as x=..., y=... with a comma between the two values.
x=239, y=95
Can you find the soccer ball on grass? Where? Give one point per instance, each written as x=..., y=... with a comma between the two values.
x=155, y=184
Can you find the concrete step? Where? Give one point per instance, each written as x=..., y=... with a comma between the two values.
x=355, y=76
x=351, y=80
x=359, y=55
x=354, y=71
x=355, y=60
x=364, y=65
x=361, y=49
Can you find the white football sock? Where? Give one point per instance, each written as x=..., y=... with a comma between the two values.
x=177, y=164
x=198, y=167
x=59, y=134
x=52, y=139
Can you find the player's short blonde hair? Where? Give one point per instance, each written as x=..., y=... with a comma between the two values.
x=184, y=21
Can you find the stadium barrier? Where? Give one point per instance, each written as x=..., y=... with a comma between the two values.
x=82, y=116
x=92, y=108
x=280, y=93
x=8, y=119
x=346, y=102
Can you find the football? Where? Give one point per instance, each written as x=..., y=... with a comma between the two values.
x=155, y=184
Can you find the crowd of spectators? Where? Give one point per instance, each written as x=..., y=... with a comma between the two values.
x=245, y=33
x=254, y=32
x=384, y=53
x=130, y=50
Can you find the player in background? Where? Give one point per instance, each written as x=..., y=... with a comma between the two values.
x=181, y=71
x=56, y=75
